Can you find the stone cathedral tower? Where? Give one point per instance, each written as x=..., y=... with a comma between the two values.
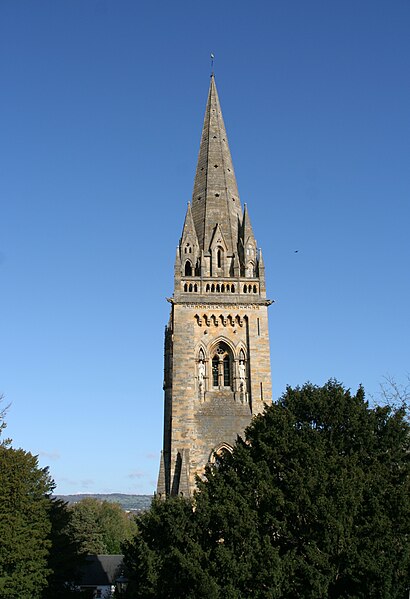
x=217, y=360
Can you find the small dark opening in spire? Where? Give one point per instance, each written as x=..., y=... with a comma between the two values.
x=188, y=269
x=219, y=258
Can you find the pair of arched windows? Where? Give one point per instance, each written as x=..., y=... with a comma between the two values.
x=222, y=366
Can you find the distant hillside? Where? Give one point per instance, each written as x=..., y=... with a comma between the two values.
x=131, y=503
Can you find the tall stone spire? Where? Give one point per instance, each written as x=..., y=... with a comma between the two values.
x=215, y=199
x=216, y=351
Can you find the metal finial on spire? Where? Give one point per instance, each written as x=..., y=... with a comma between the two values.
x=212, y=63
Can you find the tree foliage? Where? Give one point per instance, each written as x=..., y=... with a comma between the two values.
x=315, y=502
x=100, y=527
x=24, y=524
x=65, y=558
x=37, y=556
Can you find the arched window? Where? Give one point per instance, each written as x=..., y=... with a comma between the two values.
x=219, y=451
x=188, y=269
x=219, y=258
x=222, y=366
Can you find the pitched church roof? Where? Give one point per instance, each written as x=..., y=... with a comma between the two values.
x=215, y=199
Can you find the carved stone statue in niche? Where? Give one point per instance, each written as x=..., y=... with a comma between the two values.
x=242, y=372
x=242, y=379
x=201, y=376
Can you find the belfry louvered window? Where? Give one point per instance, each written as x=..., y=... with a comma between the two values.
x=215, y=371
x=222, y=366
x=227, y=371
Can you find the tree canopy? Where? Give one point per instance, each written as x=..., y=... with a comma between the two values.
x=314, y=502
x=100, y=527
x=38, y=558
x=24, y=524
x=65, y=558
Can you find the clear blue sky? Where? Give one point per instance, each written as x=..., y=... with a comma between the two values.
x=101, y=110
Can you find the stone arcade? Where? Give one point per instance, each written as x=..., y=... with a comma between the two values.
x=217, y=359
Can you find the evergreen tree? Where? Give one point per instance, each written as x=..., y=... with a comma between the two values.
x=37, y=556
x=65, y=559
x=314, y=503
x=165, y=558
x=24, y=524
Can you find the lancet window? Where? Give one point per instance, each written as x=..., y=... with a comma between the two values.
x=222, y=366
x=219, y=257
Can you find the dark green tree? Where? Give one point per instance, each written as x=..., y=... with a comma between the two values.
x=165, y=558
x=37, y=556
x=314, y=503
x=65, y=559
x=100, y=527
x=24, y=524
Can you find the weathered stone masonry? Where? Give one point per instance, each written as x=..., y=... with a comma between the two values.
x=217, y=360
